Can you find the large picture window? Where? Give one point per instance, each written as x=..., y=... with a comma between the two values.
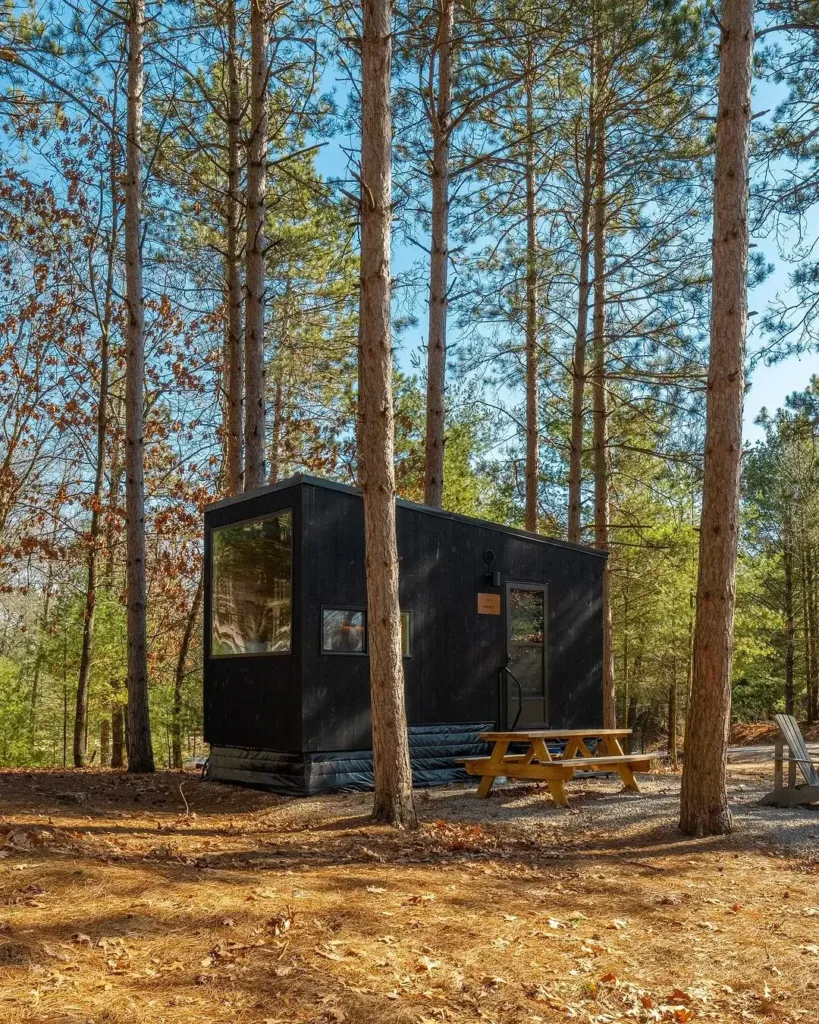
x=251, y=586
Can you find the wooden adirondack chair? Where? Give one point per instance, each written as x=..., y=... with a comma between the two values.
x=798, y=757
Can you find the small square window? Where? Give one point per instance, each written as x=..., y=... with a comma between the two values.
x=406, y=634
x=343, y=631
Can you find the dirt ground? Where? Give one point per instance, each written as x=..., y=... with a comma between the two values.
x=120, y=903
x=745, y=734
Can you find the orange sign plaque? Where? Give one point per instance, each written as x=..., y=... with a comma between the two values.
x=489, y=604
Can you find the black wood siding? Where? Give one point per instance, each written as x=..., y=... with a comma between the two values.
x=255, y=700
x=452, y=674
x=309, y=701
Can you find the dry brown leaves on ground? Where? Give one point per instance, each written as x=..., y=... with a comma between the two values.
x=116, y=905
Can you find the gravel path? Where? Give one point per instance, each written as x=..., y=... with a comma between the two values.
x=601, y=813
x=599, y=806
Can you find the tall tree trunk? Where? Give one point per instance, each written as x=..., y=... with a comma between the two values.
x=38, y=660
x=118, y=738
x=179, y=676
x=278, y=426
x=532, y=434
x=233, y=285
x=814, y=654
x=87, y=650
x=393, y=800
x=255, y=276
x=634, y=699
x=140, y=753
x=704, y=806
x=440, y=114
x=672, y=713
x=689, y=671
x=806, y=638
x=625, y=635
x=790, y=631
x=600, y=423
x=278, y=461
x=114, y=484
x=581, y=330
x=105, y=742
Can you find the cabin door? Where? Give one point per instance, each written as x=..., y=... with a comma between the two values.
x=526, y=694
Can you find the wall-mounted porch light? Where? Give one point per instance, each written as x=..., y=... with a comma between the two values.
x=492, y=578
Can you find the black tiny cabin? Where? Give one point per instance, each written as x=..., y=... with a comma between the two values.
x=500, y=628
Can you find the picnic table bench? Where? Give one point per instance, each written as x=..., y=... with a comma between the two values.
x=555, y=769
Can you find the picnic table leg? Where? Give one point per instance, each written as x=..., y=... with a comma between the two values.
x=575, y=747
x=558, y=792
x=626, y=774
x=539, y=751
x=613, y=747
x=494, y=766
x=486, y=783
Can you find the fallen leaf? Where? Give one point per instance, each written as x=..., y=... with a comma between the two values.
x=419, y=901
x=493, y=981
x=330, y=954
x=427, y=963
x=678, y=996
x=281, y=923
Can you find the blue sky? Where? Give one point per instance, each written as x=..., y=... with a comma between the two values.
x=769, y=385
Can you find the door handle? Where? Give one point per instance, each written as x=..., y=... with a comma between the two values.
x=517, y=682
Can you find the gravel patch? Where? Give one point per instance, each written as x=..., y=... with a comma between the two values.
x=600, y=807
x=602, y=814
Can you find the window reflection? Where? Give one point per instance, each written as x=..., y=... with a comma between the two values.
x=526, y=616
x=343, y=631
x=250, y=586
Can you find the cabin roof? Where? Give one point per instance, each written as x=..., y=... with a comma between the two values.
x=332, y=485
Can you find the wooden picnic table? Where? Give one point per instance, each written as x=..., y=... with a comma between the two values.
x=537, y=762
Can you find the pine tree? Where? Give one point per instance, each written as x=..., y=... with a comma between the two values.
x=255, y=274
x=393, y=802
x=138, y=733
x=704, y=800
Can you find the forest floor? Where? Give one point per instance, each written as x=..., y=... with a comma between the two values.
x=172, y=901
x=747, y=734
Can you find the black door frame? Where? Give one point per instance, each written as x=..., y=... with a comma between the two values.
x=507, y=639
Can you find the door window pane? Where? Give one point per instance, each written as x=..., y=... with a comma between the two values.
x=343, y=631
x=526, y=616
x=251, y=586
x=527, y=664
